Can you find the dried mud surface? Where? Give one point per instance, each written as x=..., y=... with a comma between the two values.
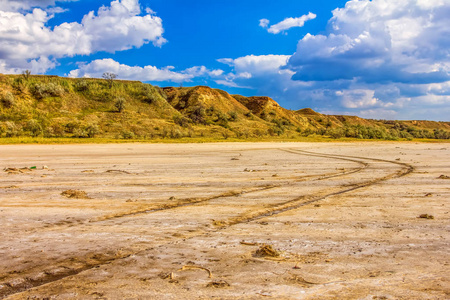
x=225, y=221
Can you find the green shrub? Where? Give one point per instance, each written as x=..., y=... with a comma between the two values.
x=92, y=130
x=42, y=90
x=441, y=134
x=120, y=104
x=148, y=93
x=128, y=135
x=198, y=115
x=33, y=127
x=336, y=133
x=19, y=84
x=175, y=134
x=12, y=129
x=221, y=117
x=80, y=133
x=275, y=131
x=181, y=120
x=161, y=92
x=8, y=100
x=258, y=132
x=54, y=130
x=72, y=126
x=211, y=110
x=82, y=85
x=150, y=98
x=233, y=116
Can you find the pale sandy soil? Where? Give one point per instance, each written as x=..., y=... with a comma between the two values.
x=185, y=221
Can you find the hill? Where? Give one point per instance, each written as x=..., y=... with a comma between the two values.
x=50, y=106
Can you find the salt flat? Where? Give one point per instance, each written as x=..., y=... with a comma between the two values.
x=185, y=221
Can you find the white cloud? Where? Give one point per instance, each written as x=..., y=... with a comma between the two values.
x=378, y=59
x=96, y=68
x=287, y=23
x=199, y=71
x=17, y=5
x=26, y=37
x=245, y=75
x=379, y=113
x=379, y=40
x=216, y=73
x=263, y=73
x=264, y=23
x=358, y=98
x=231, y=84
x=254, y=65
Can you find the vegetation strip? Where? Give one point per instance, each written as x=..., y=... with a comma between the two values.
x=45, y=108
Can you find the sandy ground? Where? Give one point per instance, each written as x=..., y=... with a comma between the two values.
x=186, y=221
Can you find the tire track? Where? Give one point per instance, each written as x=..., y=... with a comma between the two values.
x=303, y=201
x=194, y=201
x=95, y=260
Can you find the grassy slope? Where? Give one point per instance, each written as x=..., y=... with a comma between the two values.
x=49, y=108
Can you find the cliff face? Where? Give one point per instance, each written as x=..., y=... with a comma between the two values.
x=51, y=106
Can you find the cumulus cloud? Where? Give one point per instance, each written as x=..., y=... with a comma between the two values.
x=96, y=68
x=375, y=41
x=25, y=37
x=199, y=71
x=287, y=23
x=377, y=59
x=391, y=54
x=264, y=73
x=358, y=98
x=253, y=64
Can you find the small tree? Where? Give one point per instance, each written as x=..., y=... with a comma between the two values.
x=120, y=104
x=109, y=77
x=26, y=74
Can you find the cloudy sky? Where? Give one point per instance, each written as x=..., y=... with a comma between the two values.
x=380, y=59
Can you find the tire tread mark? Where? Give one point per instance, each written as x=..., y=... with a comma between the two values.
x=303, y=201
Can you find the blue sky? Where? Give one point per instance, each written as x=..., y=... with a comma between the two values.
x=376, y=59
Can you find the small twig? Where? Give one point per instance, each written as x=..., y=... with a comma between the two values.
x=196, y=267
x=118, y=171
x=167, y=275
x=248, y=243
x=330, y=282
x=279, y=274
